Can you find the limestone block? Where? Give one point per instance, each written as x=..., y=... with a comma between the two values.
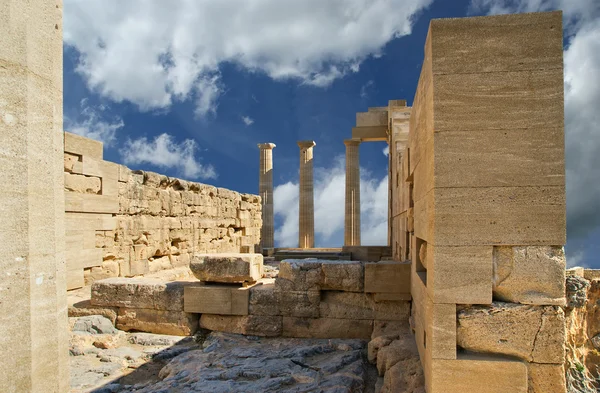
x=532, y=333
x=347, y=305
x=138, y=267
x=176, y=323
x=69, y=161
x=84, y=308
x=82, y=184
x=466, y=102
x=407, y=374
x=530, y=275
x=459, y=275
x=298, y=303
x=400, y=349
x=387, y=276
x=591, y=274
x=376, y=344
x=326, y=328
x=253, y=325
x=75, y=278
x=476, y=373
x=227, y=268
x=91, y=203
x=545, y=378
x=496, y=158
x=82, y=146
x=343, y=276
x=216, y=299
x=482, y=216
x=371, y=119
x=263, y=300
x=391, y=311
x=299, y=275
x=387, y=328
x=488, y=44
x=393, y=297
x=434, y=323
x=108, y=269
x=83, y=258
x=142, y=293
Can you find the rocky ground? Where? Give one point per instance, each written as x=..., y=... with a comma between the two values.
x=105, y=360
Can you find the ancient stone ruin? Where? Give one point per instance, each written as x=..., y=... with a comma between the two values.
x=132, y=281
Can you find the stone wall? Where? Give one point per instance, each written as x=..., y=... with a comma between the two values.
x=478, y=204
x=123, y=223
x=583, y=330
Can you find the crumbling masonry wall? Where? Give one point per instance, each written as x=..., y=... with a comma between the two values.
x=124, y=223
x=478, y=205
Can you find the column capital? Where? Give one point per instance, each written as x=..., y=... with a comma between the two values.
x=352, y=142
x=306, y=144
x=266, y=146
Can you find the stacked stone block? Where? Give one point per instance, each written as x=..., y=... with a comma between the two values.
x=478, y=205
x=123, y=223
x=309, y=298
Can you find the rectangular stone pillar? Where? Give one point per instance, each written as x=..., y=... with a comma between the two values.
x=352, y=205
x=306, y=230
x=33, y=304
x=265, y=190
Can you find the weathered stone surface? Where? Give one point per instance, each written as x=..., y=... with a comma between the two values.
x=176, y=323
x=577, y=291
x=139, y=293
x=231, y=363
x=326, y=328
x=532, y=333
x=93, y=324
x=298, y=303
x=392, y=311
x=267, y=326
x=263, y=300
x=150, y=339
x=403, y=348
x=406, y=376
x=384, y=328
x=530, y=275
x=545, y=378
x=216, y=299
x=85, y=308
x=83, y=184
x=347, y=305
x=343, y=276
x=378, y=343
x=227, y=268
x=299, y=275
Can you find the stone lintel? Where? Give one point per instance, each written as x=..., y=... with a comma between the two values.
x=370, y=134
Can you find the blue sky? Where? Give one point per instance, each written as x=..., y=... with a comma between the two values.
x=189, y=88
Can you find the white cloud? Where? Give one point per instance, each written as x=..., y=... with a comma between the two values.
x=94, y=123
x=364, y=90
x=386, y=151
x=582, y=94
x=247, y=120
x=153, y=53
x=329, y=194
x=164, y=152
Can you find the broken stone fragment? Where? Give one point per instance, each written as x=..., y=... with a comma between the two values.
x=227, y=267
x=530, y=275
x=532, y=333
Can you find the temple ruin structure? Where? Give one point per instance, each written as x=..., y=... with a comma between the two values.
x=472, y=284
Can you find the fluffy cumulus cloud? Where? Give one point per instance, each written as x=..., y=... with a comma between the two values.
x=329, y=194
x=165, y=153
x=153, y=53
x=582, y=117
x=95, y=123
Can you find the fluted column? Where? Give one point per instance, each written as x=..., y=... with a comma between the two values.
x=352, y=213
x=265, y=190
x=306, y=230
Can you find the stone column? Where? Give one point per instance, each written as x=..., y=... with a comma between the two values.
x=265, y=190
x=33, y=290
x=352, y=216
x=306, y=230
